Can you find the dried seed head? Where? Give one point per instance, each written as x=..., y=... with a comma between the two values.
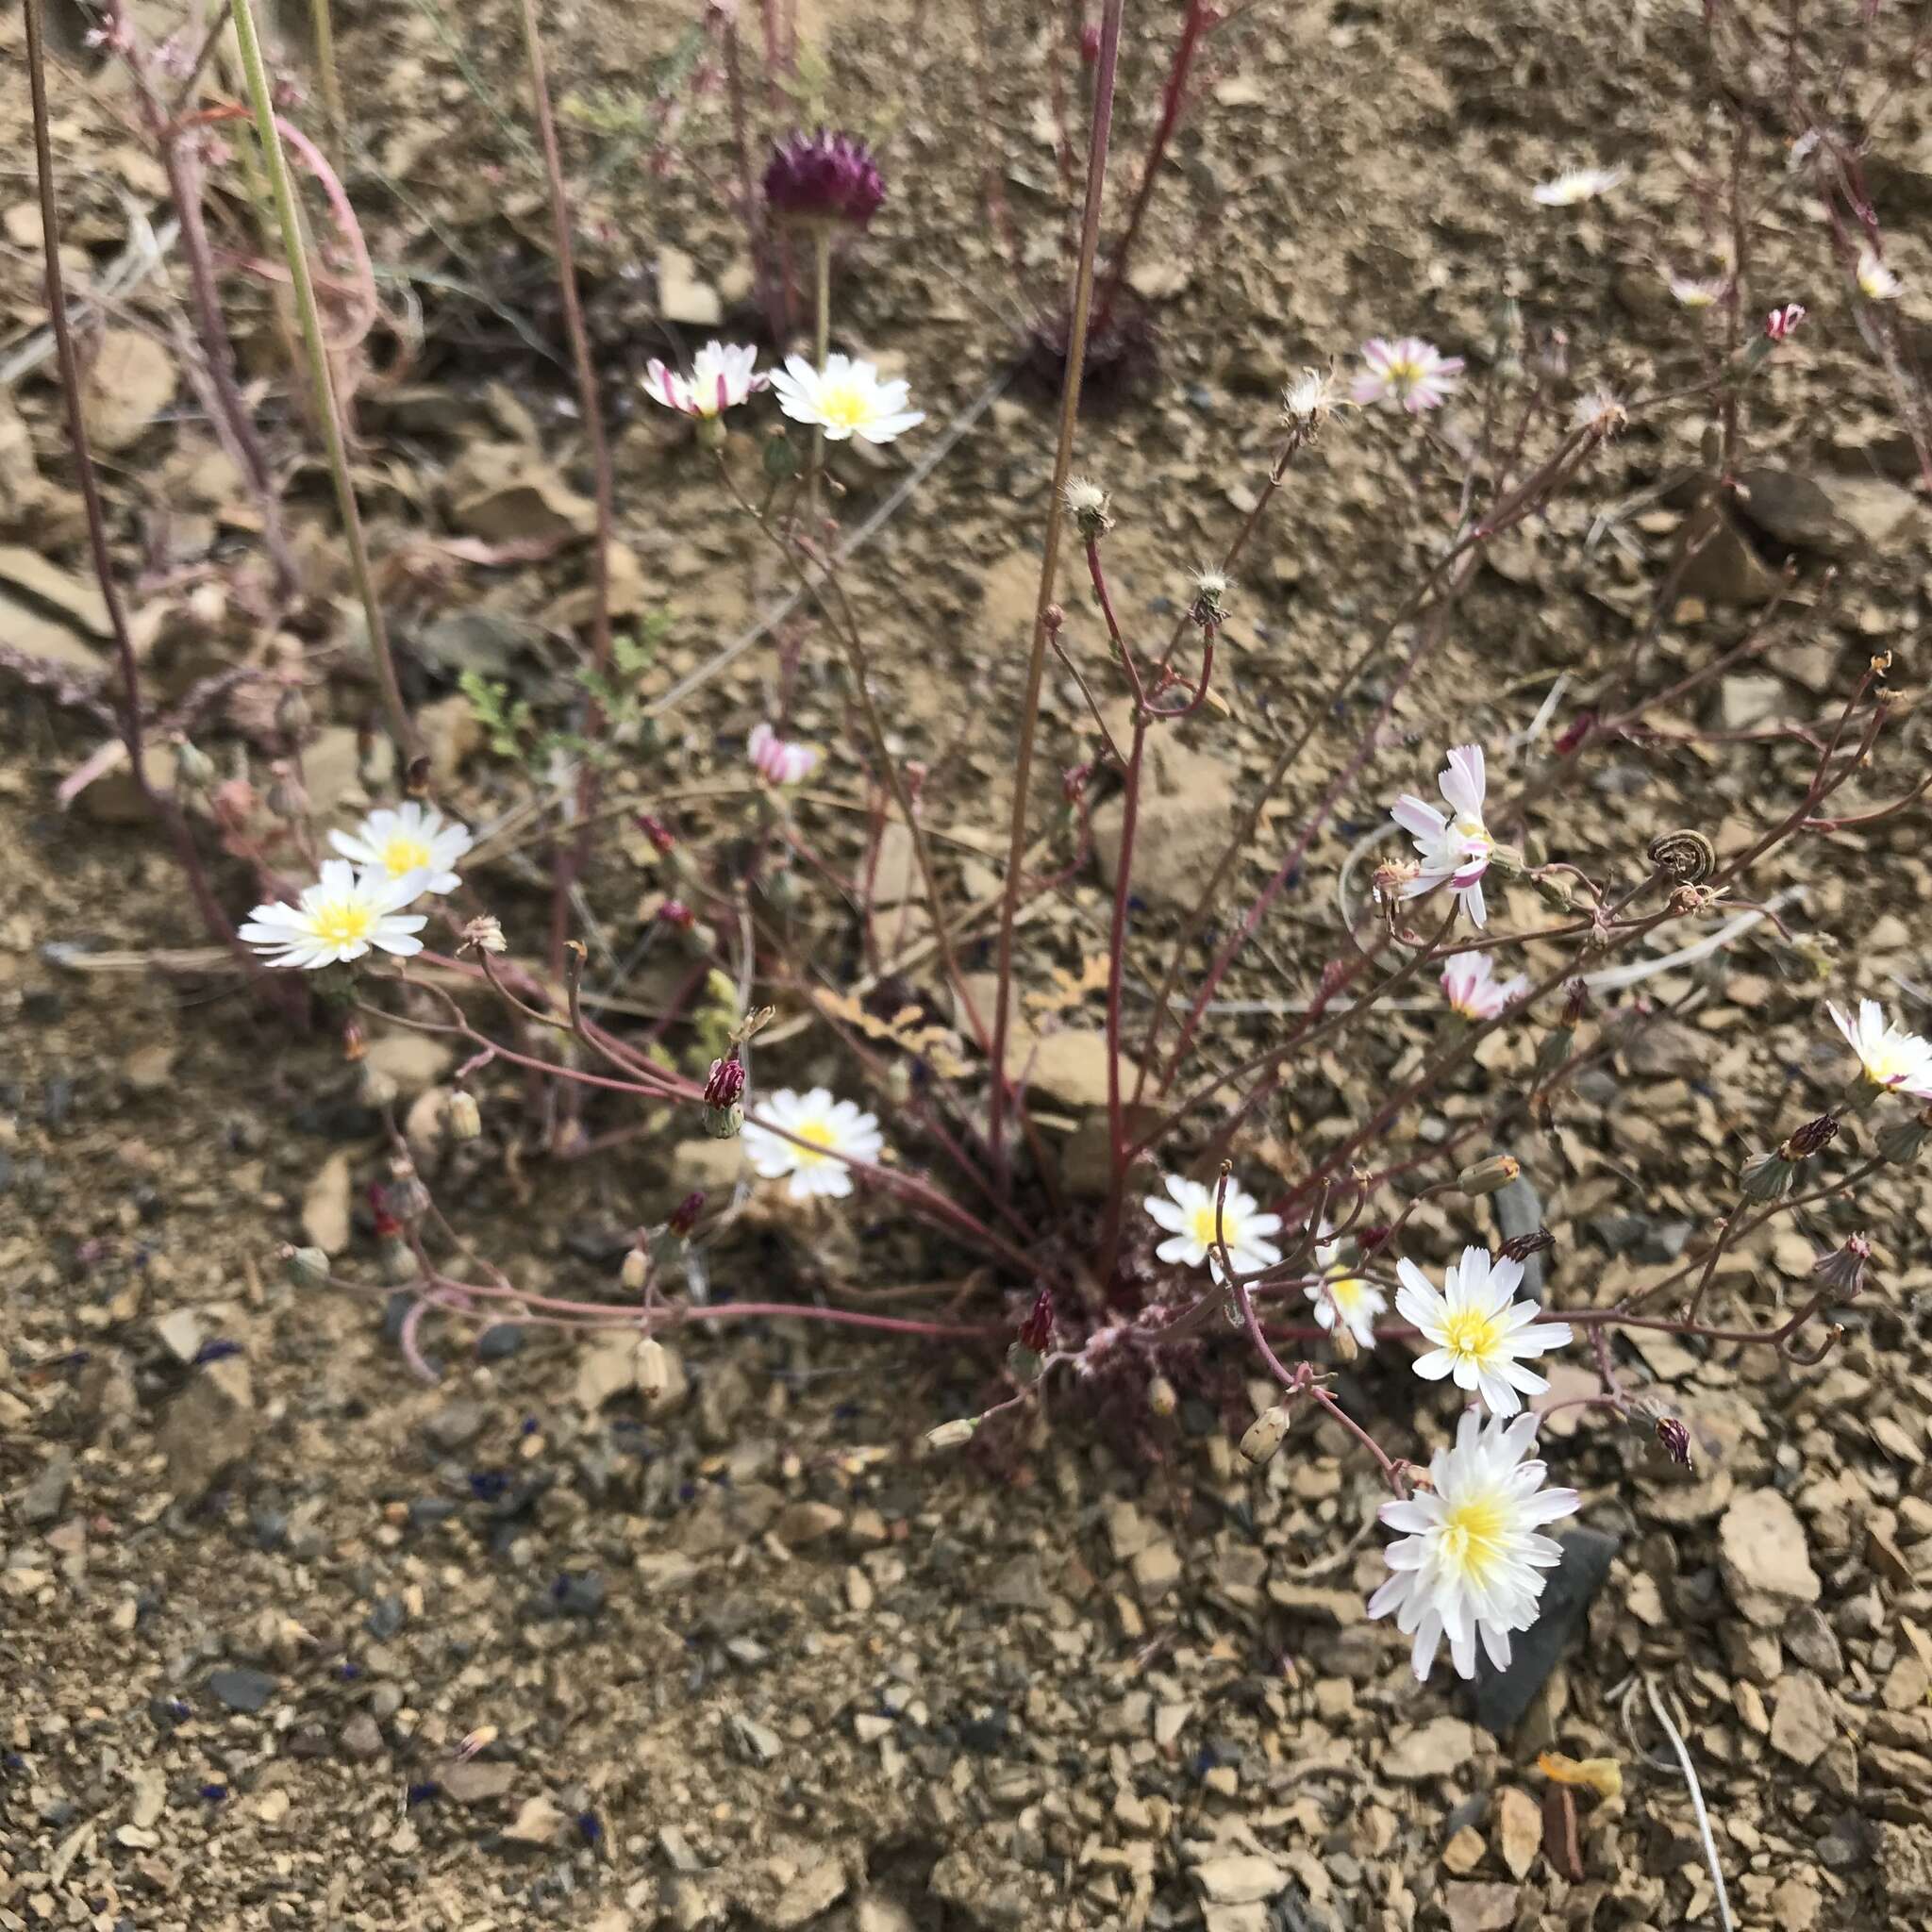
x=1087, y=503
x=1307, y=404
x=305, y=1267
x=485, y=934
x=1262, y=1437
x=1520, y=1247
x=634, y=1269
x=1161, y=1399
x=464, y=1118
x=1209, y=608
x=1487, y=1176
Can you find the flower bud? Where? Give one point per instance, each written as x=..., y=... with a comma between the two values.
x=656, y=832
x=1812, y=1137
x=674, y=913
x=1673, y=1438
x=953, y=1434
x=406, y=1197
x=285, y=798
x=1161, y=1398
x=305, y=1267
x=652, y=1372
x=684, y=1217
x=1902, y=1141
x=1843, y=1268
x=1342, y=1337
x=193, y=768
x=1488, y=1176
x=292, y=715
x=464, y=1117
x=723, y=1123
x=1036, y=1331
x=635, y=1271
x=1768, y=1176
x=1263, y=1435
x=1022, y=1363
x=723, y=1097
x=1782, y=322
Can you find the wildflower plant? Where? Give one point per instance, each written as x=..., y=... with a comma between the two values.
x=1121, y=1261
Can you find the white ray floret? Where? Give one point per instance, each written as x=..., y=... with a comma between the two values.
x=1480, y=1336
x=394, y=841
x=722, y=375
x=1186, y=1213
x=1455, y=847
x=338, y=919
x=845, y=398
x=1891, y=1057
x=833, y=1132
x=1471, y=986
x=1470, y=1564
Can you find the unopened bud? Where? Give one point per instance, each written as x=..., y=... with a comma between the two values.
x=285, y=798
x=723, y=1123
x=953, y=1434
x=397, y=1262
x=1161, y=1399
x=406, y=1197
x=1673, y=1438
x=1768, y=1176
x=193, y=768
x=1842, y=1271
x=1090, y=43
x=653, y=1372
x=1782, y=322
x=1022, y=1363
x=305, y=1267
x=674, y=913
x=656, y=832
x=464, y=1118
x=292, y=715
x=1036, y=1331
x=1342, y=1337
x=723, y=1097
x=1487, y=1176
x=1075, y=780
x=1262, y=1437
x=684, y=1217
x=355, y=1041
x=635, y=1271
x=1576, y=1003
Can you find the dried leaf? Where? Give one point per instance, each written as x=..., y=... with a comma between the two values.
x=1603, y=1776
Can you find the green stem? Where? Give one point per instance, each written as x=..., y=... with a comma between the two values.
x=288, y=217
x=331, y=80
x=821, y=348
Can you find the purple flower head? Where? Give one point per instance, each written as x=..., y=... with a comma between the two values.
x=825, y=177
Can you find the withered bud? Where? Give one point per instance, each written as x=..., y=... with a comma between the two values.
x=1488, y=1176
x=1036, y=1331
x=485, y=934
x=464, y=1118
x=285, y=798
x=292, y=715
x=724, y=1098
x=406, y=1197
x=1673, y=1438
x=656, y=832
x=355, y=1041
x=305, y=1267
x=653, y=1372
x=1161, y=1399
x=1520, y=1247
x=1209, y=608
x=1022, y=1363
x=634, y=1269
x=1842, y=1271
x=1812, y=1137
x=953, y=1434
x=684, y=1217
x=1262, y=1437
x=1576, y=1003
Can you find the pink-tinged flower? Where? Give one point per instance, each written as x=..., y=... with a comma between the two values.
x=1408, y=371
x=779, y=760
x=721, y=377
x=1471, y=986
x=1455, y=849
x=1470, y=1563
x=1875, y=281
x=1480, y=1336
x=1698, y=291
x=1781, y=324
x=1891, y=1057
x=1578, y=184
x=825, y=177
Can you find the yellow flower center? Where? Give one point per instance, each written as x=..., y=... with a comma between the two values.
x=1470, y=1539
x=404, y=854
x=342, y=921
x=1204, y=1227
x=1347, y=1291
x=1886, y=1062
x=1471, y=1336
x=844, y=405
x=817, y=1135
x=1404, y=374
x=1474, y=830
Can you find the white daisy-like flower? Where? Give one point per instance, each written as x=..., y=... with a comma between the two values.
x=832, y=1131
x=340, y=918
x=722, y=376
x=1698, y=291
x=1352, y=1301
x=779, y=760
x=1188, y=1215
x=408, y=837
x=1876, y=281
x=1455, y=848
x=1891, y=1057
x=1482, y=1337
x=1577, y=185
x=1471, y=986
x=1470, y=1563
x=1408, y=371
x=845, y=398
